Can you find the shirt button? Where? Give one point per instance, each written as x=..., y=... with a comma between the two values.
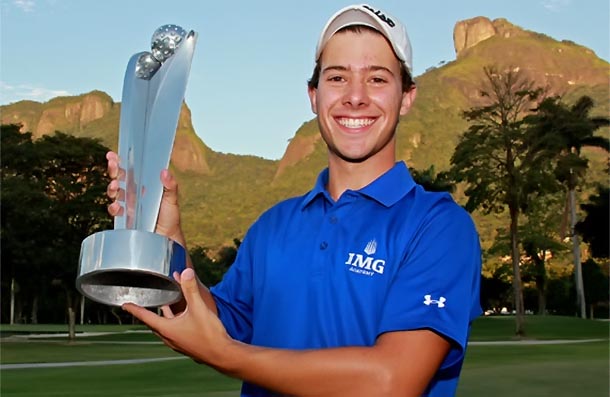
x=323, y=245
x=333, y=219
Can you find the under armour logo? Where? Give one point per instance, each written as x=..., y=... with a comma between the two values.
x=440, y=302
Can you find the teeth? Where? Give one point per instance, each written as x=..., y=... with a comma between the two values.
x=355, y=123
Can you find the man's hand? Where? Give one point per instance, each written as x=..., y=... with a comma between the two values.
x=113, y=191
x=196, y=332
x=168, y=222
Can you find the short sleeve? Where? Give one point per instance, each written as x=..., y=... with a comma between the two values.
x=437, y=284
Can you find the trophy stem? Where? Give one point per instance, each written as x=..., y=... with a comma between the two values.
x=149, y=115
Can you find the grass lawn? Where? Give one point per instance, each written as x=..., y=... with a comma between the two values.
x=536, y=371
x=17, y=329
x=525, y=370
x=170, y=378
x=51, y=329
x=539, y=327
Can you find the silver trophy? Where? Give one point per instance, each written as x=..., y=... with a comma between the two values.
x=132, y=263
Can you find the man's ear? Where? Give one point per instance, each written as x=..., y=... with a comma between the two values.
x=408, y=98
x=313, y=99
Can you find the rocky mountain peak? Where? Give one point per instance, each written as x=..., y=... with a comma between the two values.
x=469, y=32
x=95, y=114
x=188, y=152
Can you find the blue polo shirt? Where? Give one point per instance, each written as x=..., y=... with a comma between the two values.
x=317, y=273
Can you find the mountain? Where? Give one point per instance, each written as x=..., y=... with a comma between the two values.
x=222, y=194
x=95, y=115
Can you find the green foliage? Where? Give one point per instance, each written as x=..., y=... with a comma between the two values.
x=568, y=129
x=432, y=181
x=596, y=283
x=495, y=293
x=218, y=207
x=540, y=233
x=53, y=197
x=505, y=164
x=593, y=228
x=427, y=135
x=496, y=156
x=512, y=157
x=211, y=270
x=27, y=218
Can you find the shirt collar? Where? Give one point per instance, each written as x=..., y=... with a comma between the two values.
x=319, y=189
x=388, y=189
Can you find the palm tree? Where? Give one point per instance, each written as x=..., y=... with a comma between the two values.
x=594, y=232
x=567, y=130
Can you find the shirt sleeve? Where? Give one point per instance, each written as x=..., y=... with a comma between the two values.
x=234, y=296
x=438, y=282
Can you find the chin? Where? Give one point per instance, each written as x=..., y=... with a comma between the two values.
x=353, y=158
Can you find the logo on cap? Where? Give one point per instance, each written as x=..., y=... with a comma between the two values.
x=380, y=15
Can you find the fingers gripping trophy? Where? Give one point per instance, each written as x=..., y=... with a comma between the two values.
x=132, y=263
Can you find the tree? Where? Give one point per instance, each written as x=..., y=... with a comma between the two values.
x=433, y=182
x=53, y=196
x=593, y=228
x=25, y=223
x=566, y=130
x=596, y=285
x=495, y=292
x=73, y=171
x=211, y=270
x=499, y=161
x=204, y=265
x=541, y=241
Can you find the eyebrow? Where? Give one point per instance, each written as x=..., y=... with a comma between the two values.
x=372, y=68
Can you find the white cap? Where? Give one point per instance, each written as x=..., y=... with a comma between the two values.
x=363, y=14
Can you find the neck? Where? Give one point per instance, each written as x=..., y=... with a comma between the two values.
x=343, y=175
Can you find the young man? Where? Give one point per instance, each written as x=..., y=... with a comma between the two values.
x=365, y=286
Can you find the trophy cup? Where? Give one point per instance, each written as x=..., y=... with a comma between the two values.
x=132, y=263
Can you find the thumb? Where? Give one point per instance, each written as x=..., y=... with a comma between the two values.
x=190, y=289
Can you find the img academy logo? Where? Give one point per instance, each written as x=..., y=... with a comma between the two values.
x=367, y=265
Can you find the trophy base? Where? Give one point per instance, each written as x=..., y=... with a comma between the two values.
x=126, y=265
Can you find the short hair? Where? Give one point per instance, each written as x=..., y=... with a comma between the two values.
x=407, y=81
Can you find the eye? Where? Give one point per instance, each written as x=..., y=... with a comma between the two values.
x=336, y=79
x=378, y=80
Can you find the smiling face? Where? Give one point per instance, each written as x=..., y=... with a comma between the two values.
x=359, y=98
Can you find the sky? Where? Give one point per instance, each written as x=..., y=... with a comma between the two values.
x=247, y=85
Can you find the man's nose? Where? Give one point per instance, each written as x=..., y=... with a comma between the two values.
x=356, y=94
